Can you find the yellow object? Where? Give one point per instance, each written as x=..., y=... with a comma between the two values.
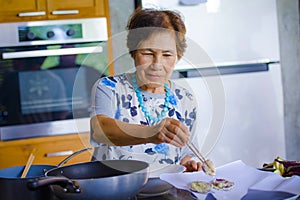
x=284, y=167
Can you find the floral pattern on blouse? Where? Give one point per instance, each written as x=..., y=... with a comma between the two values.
x=124, y=106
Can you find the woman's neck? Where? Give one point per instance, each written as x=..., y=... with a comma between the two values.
x=155, y=90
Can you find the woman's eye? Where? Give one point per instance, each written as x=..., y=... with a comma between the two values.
x=147, y=53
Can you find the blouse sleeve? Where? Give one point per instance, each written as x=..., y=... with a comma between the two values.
x=101, y=103
x=102, y=100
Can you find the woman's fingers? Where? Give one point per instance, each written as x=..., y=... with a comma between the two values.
x=176, y=131
x=191, y=165
x=175, y=141
x=168, y=137
x=175, y=124
x=171, y=131
x=176, y=138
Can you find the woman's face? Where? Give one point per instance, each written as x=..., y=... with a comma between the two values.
x=155, y=60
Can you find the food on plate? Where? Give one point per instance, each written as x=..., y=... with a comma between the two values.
x=200, y=186
x=218, y=184
x=283, y=167
x=222, y=184
x=208, y=168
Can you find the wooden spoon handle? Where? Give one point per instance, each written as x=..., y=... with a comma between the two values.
x=27, y=166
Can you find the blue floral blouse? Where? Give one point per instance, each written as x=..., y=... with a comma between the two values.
x=115, y=97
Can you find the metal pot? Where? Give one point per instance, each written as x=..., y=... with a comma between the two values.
x=109, y=179
x=14, y=187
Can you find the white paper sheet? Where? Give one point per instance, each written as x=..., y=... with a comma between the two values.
x=244, y=177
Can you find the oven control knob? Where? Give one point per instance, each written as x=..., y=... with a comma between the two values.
x=30, y=35
x=50, y=34
x=70, y=32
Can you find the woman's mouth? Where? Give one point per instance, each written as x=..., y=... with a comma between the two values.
x=153, y=76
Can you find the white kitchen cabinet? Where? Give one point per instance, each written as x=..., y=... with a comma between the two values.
x=233, y=32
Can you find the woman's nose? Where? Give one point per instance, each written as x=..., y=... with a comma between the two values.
x=157, y=61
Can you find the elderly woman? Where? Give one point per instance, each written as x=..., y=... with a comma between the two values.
x=144, y=115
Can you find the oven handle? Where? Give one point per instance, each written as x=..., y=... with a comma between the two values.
x=52, y=52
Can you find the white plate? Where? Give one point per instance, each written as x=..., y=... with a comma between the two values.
x=155, y=186
x=157, y=169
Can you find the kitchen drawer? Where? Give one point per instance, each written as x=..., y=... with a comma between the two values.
x=48, y=150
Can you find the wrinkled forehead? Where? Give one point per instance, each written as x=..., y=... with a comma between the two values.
x=160, y=40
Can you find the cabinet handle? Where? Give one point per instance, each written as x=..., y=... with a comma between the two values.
x=60, y=153
x=65, y=12
x=31, y=14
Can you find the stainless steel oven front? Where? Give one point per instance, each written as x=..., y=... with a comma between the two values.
x=47, y=69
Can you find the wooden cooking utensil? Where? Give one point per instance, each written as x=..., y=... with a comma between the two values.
x=28, y=164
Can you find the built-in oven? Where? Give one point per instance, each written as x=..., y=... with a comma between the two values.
x=47, y=70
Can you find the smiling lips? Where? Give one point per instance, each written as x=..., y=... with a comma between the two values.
x=153, y=76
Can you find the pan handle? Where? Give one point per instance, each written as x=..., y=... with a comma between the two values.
x=68, y=185
x=72, y=155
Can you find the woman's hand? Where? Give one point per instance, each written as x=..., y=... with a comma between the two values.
x=171, y=131
x=190, y=164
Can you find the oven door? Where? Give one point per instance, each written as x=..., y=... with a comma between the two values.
x=37, y=82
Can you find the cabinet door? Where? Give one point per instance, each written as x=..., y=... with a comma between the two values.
x=58, y=9
x=48, y=150
x=19, y=10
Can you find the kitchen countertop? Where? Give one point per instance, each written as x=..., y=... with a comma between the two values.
x=172, y=194
x=178, y=194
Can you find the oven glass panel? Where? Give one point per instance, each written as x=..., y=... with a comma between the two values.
x=41, y=89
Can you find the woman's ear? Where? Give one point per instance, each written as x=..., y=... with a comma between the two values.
x=132, y=54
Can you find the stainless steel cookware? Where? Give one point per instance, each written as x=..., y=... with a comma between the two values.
x=109, y=179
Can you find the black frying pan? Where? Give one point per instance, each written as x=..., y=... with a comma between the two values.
x=12, y=186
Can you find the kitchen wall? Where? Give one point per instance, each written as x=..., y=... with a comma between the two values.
x=119, y=14
x=251, y=126
x=229, y=30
